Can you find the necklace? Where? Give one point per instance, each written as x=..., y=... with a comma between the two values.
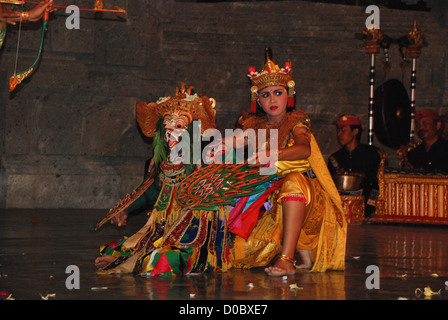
x=282, y=127
x=276, y=125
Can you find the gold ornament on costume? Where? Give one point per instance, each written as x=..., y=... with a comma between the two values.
x=185, y=102
x=271, y=75
x=25, y=16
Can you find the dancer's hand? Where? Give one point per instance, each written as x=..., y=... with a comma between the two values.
x=11, y=16
x=38, y=11
x=8, y=15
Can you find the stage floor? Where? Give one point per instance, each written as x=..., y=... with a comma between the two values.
x=37, y=246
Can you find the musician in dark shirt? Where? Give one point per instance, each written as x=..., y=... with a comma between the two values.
x=432, y=154
x=355, y=157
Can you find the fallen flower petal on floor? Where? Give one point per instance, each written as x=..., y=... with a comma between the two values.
x=48, y=296
x=435, y=275
x=295, y=287
x=427, y=291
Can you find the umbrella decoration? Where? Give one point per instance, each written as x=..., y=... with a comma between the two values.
x=416, y=42
x=372, y=38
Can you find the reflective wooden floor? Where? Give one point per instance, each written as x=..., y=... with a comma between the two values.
x=36, y=247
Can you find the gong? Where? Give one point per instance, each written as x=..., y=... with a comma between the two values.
x=392, y=110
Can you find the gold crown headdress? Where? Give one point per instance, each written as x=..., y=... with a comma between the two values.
x=185, y=101
x=271, y=75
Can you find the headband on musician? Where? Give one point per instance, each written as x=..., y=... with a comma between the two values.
x=427, y=113
x=348, y=119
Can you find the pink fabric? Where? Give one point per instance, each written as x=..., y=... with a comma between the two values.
x=294, y=197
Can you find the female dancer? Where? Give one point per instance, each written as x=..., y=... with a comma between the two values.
x=311, y=209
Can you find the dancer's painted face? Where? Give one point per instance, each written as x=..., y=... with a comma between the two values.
x=273, y=99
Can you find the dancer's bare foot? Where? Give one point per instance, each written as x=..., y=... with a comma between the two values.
x=307, y=262
x=103, y=261
x=281, y=267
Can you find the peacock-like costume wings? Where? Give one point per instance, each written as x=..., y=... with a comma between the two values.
x=220, y=184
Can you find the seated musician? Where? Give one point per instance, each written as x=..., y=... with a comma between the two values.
x=356, y=157
x=432, y=154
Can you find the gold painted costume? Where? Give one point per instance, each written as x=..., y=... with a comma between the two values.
x=324, y=231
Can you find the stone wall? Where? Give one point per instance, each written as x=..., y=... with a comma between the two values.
x=69, y=138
